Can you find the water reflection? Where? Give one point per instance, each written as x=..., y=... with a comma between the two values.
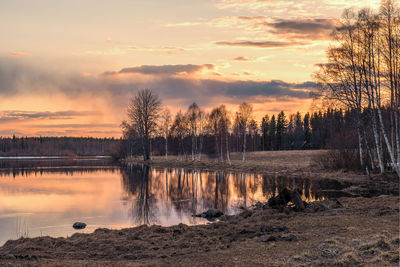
x=46, y=197
x=68, y=166
x=166, y=196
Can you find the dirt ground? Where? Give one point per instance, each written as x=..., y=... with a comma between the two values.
x=361, y=231
x=365, y=231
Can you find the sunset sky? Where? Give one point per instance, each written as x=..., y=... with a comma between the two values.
x=70, y=67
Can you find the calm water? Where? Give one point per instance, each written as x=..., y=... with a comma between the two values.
x=46, y=196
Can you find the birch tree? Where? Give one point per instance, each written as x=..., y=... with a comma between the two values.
x=165, y=126
x=244, y=114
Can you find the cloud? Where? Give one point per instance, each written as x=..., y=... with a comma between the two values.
x=275, y=88
x=18, y=54
x=184, y=24
x=76, y=125
x=13, y=115
x=311, y=29
x=260, y=44
x=245, y=73
x=164, y=69
x=295, y=27
x=179, y=91
x=241, y=58
x=304, y=7
x=155, y=49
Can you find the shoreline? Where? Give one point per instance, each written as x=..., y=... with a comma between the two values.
x=295, y=163
x=362, y=231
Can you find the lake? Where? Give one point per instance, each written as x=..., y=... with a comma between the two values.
x=40, y=197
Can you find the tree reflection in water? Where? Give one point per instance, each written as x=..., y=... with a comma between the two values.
x=160, y=192
x=137, y=182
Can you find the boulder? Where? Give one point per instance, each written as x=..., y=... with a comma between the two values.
x=284, y=197
x=213, y=213
x=79, y=225
x=210, y=214
x=289, y=238
x=270, y=238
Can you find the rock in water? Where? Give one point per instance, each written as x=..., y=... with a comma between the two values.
x=210, y=214
x=213, y=213
x=79, y=225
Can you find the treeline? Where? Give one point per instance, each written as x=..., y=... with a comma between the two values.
x=190, y=134
x=58, y=146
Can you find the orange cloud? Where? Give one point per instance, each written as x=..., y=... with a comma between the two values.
x=19, y=54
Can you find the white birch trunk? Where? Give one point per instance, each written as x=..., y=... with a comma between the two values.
x=377, y=143
x=388, y=146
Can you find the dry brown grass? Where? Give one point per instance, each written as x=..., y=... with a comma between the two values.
x=298, y=163
x=292, y=160
x=363, y=233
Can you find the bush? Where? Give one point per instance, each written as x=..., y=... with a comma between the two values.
x=346, y=159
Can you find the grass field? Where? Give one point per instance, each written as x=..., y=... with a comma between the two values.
x=299, y=163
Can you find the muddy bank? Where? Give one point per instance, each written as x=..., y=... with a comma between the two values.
x=362, y=231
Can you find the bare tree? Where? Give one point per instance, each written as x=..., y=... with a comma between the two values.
x=244, y=115
x=179, y=129
x=361, y=75
x=390, y=38
x=219, y=124
x=165, y=126
x=193, y=117
x=143, y=112
x=203, y=117
x=340, y=79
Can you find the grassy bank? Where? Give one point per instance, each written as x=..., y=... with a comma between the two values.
x=298, y=163
x=363, y=232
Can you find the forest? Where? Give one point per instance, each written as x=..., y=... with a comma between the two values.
x=58, y=146
x=194, y=132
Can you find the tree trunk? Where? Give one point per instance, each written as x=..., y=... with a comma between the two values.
x=388, y=146
x=377, y=143
x=371, y=157
x=192, y=147
x=216, y=143
x=166, y=147
x=397, y=127
x=150, y=150
x=360, y=149
x=222, y=148
x=200, y=147
x=145, y=156
x=244, y=144
x=227, y=148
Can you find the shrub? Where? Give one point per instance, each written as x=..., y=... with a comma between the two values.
x=346, y=159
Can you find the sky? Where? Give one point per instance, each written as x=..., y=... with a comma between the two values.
x=69, y=68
